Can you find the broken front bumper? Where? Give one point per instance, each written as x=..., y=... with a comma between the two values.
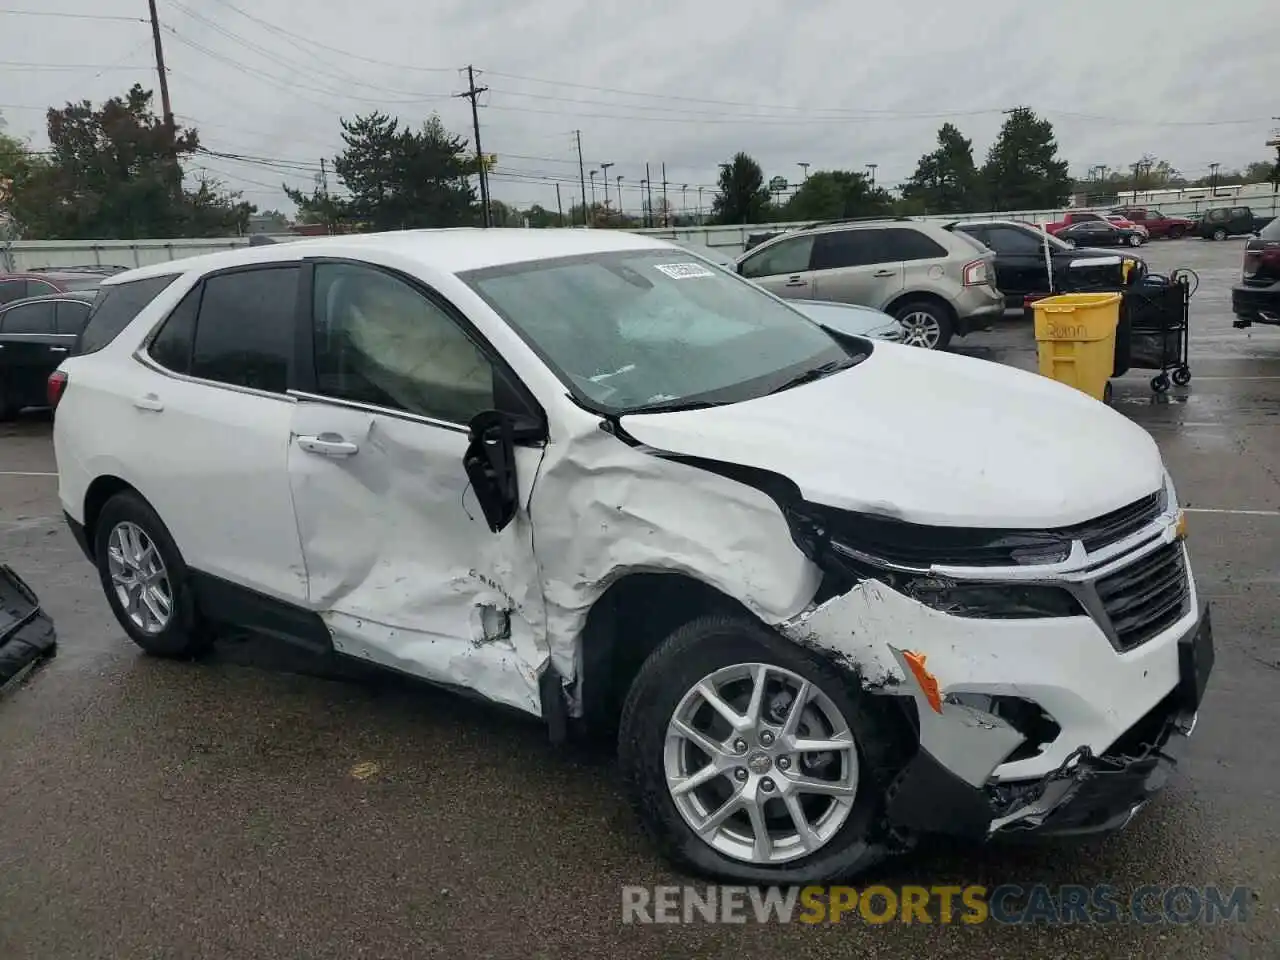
x=1088, y=793
x=26, y=633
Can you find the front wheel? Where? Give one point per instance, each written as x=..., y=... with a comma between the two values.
x=146, y=580
x=924, y=324
x=1135, y=240
x=1219, y=234
x=751, y=759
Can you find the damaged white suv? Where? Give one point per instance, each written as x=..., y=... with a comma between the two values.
x=585, y=475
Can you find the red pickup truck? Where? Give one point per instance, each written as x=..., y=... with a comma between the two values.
x=1157, y=224
x=1073, y=218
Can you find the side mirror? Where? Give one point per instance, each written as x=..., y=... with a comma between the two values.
x=490, y=462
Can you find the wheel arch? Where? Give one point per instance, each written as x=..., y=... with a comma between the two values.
x=625, y=624
x=930, y=296
x=101, y=490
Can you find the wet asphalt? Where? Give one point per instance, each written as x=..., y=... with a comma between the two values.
x=244, y=807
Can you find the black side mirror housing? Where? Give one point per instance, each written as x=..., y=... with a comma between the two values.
x=490, y=462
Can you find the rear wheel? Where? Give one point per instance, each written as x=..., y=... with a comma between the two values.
x=750, y=759
x=146, y=580
x=1219, y=234
x=1135, y=240
x=925, y=324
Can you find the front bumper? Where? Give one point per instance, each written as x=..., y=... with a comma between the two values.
x=1087, y=793
x=1256, y=304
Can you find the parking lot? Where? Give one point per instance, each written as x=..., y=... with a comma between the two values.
x=247, y=806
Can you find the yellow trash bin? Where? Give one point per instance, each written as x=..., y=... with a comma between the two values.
x=1076, y=339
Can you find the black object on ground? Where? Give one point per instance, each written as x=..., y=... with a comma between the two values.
x=27, y=637
x=1155, y=314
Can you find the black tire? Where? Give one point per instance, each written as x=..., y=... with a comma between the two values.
x=1219, y=234
x=185, y=635
x=1106, y=394
x=691, y=653
x=1182, y=376
x=1160, y=383
x=940, y=314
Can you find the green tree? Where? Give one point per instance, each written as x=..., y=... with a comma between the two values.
x=837, y=194
x=319, y=207
x=1023, y=171
x=946, y=180
x=402, y=178
x=539, y=217
x=116, y=173
x=742, y=196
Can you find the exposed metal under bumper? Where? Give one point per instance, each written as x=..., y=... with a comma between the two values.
x=1086, y=794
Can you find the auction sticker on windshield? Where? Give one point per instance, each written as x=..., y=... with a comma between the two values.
x=684, y=271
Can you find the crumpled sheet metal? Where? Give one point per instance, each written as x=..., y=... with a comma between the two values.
x=27, y=635
x=603, y=509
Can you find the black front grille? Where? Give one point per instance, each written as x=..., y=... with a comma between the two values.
x=1146, y=597
x=1115, y=526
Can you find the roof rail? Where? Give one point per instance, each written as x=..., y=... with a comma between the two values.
x=882, y=218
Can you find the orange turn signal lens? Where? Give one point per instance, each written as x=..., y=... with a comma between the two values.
x=1180, y=528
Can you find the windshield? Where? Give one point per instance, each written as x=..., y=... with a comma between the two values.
x=655, y=329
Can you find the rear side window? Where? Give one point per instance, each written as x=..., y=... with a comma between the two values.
x=848, y=248
x=31, y=318
x=785, y=256
x=71, y=316
x=245, y=328
x=902, y=244
x=115, y=308
x=173, y=345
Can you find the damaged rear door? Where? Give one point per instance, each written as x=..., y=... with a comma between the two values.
x=401, y=562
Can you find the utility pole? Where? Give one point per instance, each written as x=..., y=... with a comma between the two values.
x=1213, y=179
x=644, y=207
x=604, y=173
x=473, y=94
x=164, y=77
x=872, y=168
x=622, y=207
x=559, y=207
x=592, y=175
x=684, y=199
x=666, y=211
x=324, y=177
x=582, y=177
x=648, y=188
x=700, y=189
x=805, y=168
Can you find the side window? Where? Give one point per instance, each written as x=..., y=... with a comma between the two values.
x=849, y=248
x=115, y=307
x=70, y=316
x=11, y=290
x=380, y=341
x=245, y=328
x=30, y=318
x=1217, y=215
x=785, y=256
x=38, y=288
x=1241, y=213
x=174, y=344
x=904, y=244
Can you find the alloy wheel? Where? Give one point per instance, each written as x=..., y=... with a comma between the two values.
x=761, y=764
x=139, y=577
x=921, y=329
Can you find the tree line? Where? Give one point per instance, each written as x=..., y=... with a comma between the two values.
x=118, y=171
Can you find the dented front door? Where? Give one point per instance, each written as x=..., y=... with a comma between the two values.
x=400, y=562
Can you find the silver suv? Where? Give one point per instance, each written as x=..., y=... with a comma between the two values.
x=936, y=283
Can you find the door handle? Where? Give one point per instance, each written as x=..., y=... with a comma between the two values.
x=885, y=273
x=58, y=349
x=797, y=282
x=148, y=401
x=328, y=445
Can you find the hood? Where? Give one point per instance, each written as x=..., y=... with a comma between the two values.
x=930, y=438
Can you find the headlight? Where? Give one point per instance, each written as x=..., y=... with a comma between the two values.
x=1002, y=601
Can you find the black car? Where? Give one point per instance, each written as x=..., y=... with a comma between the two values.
x=1218, y=223
x=1256, y=298
x=36, y=335
x=1101, y=233
x=1020, y=259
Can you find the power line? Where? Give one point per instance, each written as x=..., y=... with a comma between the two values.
x=71, y=16
x=15, y=65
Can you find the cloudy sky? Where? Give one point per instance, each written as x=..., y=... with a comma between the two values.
x=831, y=84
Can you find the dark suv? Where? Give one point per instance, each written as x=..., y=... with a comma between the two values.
x=1218, y=223
x=1256, y=298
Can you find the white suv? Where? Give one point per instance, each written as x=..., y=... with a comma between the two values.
x=588, y=476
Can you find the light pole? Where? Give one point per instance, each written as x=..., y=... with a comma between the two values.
x=622, y=207
x=684, y=199
x=700, y=189
x=1213, y=179
x=592, y=175
x=644, y=207
x=604, y=172
x=805, y=168
x=872, y=168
